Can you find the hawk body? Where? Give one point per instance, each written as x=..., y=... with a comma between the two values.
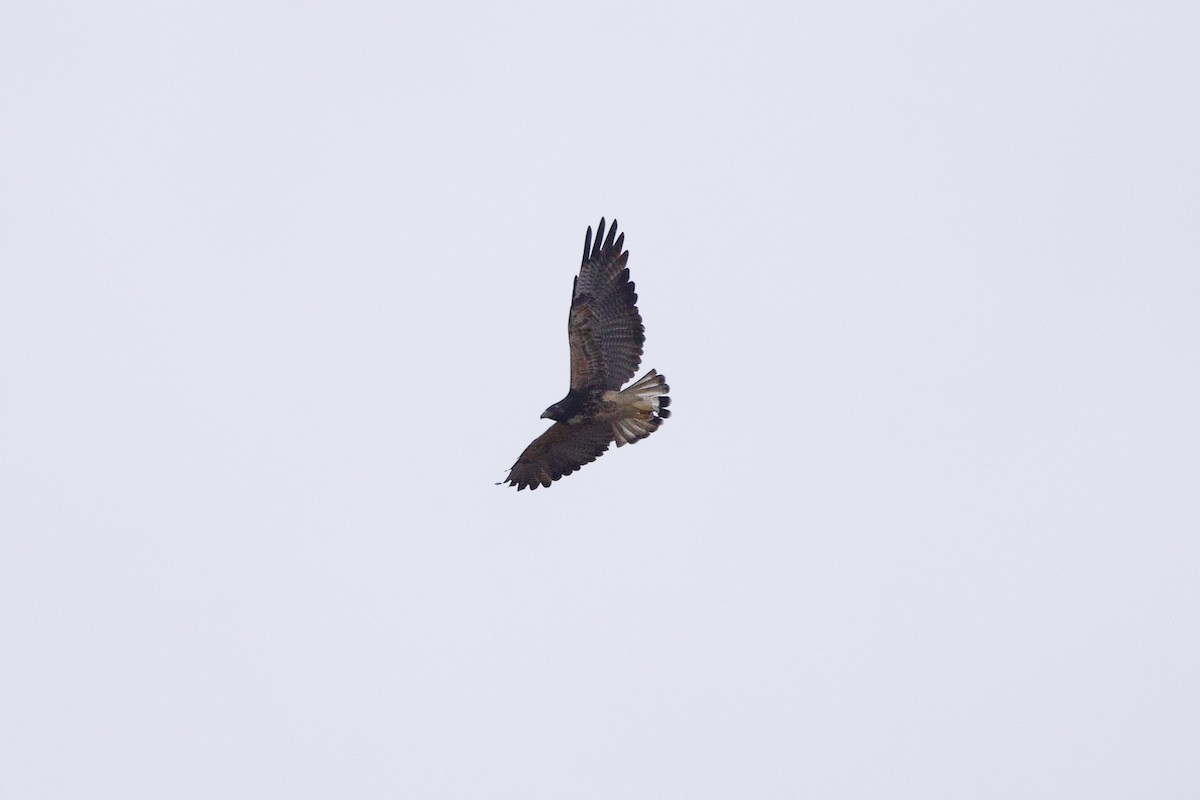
x=606, y=335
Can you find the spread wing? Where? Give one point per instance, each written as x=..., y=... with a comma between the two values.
x=604, y=329
x=559, y=451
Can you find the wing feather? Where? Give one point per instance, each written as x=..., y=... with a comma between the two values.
x=559, y=451
x=604, y=328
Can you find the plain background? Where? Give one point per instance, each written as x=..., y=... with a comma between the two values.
x=283, y=290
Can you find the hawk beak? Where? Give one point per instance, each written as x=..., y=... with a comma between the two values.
x=545, y=415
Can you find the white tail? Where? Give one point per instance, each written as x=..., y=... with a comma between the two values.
x=647, y=401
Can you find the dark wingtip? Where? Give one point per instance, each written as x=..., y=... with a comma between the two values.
x=612, y=235
x=593, y=247
x=664, y=401
x=664, y=413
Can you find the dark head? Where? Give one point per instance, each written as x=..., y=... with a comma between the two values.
x=566, y=408
x=556, y=412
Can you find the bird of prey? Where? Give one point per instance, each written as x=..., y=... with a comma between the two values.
x=605, y=333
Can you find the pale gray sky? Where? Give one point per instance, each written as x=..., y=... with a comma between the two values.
x=283, y=291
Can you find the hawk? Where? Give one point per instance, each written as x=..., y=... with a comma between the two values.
x=605, y=332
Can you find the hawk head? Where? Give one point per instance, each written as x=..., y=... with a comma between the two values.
x=566, y=408
x=556, y=412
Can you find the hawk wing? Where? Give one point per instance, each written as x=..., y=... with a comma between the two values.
x=559, y=451
x=604, y=329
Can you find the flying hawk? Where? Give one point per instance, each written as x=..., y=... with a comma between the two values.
x=605, y=332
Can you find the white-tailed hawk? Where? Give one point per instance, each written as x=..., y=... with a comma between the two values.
x=605, y=332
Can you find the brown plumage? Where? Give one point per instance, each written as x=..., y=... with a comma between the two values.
x=605, y=334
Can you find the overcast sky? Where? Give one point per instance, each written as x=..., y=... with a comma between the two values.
x=283, y=291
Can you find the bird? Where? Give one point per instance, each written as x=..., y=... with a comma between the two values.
x=606, y=335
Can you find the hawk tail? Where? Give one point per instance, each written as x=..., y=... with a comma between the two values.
x=647, y=401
